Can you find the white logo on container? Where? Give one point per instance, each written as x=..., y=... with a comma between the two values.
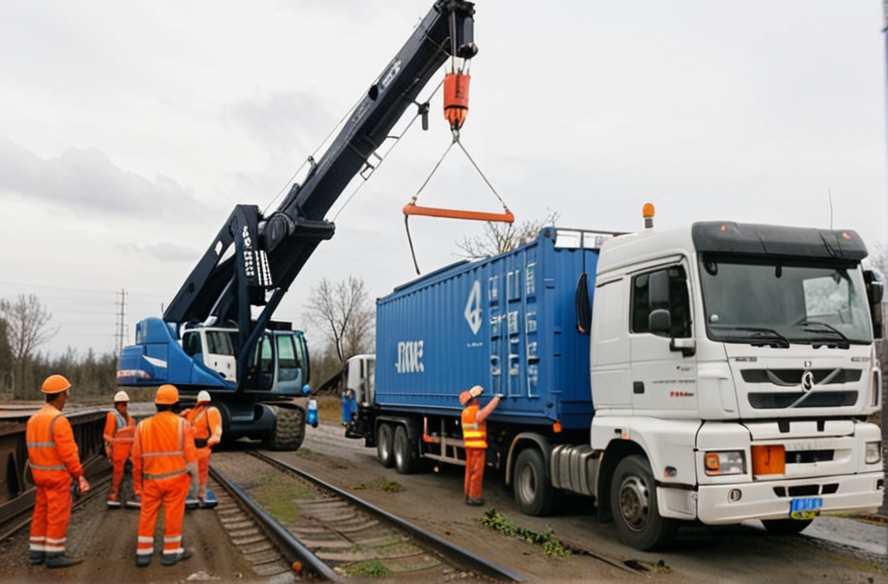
x=473, y=308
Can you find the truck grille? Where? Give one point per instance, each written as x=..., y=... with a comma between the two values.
x=793, y=377
x=806, y=490
x=819, y=399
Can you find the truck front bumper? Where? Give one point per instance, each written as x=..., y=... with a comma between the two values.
x=862, y=493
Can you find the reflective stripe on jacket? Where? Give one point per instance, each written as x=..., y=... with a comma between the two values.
x=164, y=445
x=206, y=421
x=474, y=432
x=51, y=445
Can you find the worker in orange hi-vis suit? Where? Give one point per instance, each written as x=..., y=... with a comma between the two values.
x=206, y=423
x=119, y=431
x=474, y=427
x=54, y=459
x=163, y=457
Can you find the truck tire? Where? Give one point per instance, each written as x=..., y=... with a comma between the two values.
x=786, y=526
x=634, y=502
x=533, y=492
x=406, y=455
x=385, y=445
x=289, y=429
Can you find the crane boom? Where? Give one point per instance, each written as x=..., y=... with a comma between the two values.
x=226, y=288
x=209, y=337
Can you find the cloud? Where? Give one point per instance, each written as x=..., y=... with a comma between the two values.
x=87, y=180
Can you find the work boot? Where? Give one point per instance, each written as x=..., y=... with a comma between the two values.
x=143, y=560
x=171, y=559
x=475, y=501
x=61, y=561
x=113, y=500
x=136, y=501
x=36, y=558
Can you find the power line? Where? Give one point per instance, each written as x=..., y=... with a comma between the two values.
x=87, y=291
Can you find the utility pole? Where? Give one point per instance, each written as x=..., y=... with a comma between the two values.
x=120, y=324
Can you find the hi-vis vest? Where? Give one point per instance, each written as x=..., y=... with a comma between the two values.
x=206, y=422
x=162, y=446
x=52, y=452
x=119, y=429
x=474, y=433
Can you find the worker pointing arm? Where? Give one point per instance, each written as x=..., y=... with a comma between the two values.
x=474, y=427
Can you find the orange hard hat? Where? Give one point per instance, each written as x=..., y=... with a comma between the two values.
x=166, y=395
x=55, y=384
x=465, y=397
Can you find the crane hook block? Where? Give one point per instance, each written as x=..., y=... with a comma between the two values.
x=456, y=99
x=504, y=217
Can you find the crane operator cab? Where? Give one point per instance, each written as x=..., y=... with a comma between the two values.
x=279, y=364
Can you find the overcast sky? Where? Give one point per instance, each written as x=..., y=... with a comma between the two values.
x=128, y=131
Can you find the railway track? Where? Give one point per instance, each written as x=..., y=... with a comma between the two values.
x=331, y=534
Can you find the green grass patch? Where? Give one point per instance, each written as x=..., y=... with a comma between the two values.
x=380, y=485
x=367, y=569
x=552, y=547
x=276, y=493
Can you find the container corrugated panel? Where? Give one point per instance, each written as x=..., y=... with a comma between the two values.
x=507, y=323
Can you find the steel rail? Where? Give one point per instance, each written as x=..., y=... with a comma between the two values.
x=455, y=553
x=289, y=546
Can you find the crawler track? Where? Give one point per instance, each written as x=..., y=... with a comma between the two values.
x=332, y=534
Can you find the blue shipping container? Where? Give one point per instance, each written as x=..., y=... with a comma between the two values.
x=507, y=323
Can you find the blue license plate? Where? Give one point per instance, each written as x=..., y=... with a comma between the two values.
x=805, y=507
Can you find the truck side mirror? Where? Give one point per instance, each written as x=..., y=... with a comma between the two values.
x=658, y=289
x=659, y=319
x=875, y=287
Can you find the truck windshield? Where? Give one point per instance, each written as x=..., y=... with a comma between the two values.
x=777, y=302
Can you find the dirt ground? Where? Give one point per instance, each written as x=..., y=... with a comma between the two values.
x=107, y=541
x=737, y=554
x=702, y=555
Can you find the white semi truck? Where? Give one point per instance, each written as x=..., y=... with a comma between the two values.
x=719, y=372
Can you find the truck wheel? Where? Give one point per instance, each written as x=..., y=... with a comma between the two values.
x=289, y=429
x=634, y=503
x=533, y=492
x=406, y=456
x=384, y=445
x=786, y=526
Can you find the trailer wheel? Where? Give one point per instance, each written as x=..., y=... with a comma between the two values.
x=533, y=492
x=406, y=455
x=634, y=502
x=384, y=445
x=289, y=429
x=786, y=526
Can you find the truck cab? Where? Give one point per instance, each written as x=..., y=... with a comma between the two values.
x=735, y=363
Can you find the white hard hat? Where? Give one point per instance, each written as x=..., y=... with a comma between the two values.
x=121, y=396
x=203, y=396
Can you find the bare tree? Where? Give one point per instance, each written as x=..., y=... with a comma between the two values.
x=343, y=312
x=27, y=328
x=878, y=258
x=5, y=359
x=502, y=237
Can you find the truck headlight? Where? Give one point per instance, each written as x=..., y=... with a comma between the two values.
x=873, y=452
x=725, y=463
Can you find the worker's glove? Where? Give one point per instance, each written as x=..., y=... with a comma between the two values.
x=500, y=395
x=83, y=485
